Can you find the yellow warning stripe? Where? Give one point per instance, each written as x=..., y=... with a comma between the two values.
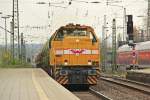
x=92, y=79
x=57, y=72
x=98, y=72
x=66, y=81
x=38, y=88
x=59, y=79
x=62, y=80
x=89, y=81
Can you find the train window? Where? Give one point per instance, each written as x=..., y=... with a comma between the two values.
x=69, y=32
x=59, y=36
x=80, y=32
x=92, y=37
x=75, y=32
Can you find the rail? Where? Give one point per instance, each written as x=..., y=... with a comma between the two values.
x=102, y=96
x=129, y=84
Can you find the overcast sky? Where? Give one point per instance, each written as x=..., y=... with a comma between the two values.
x=32, y=14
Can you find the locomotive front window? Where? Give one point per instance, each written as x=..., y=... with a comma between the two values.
x=75, y=32
x=70, y=32
x=80, y=32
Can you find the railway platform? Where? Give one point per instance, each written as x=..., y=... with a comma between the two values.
x=31, y=84
x=142, y=75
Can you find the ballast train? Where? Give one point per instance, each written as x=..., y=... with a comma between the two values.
x=134, y=58
x=71, y=56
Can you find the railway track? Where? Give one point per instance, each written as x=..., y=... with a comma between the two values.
x=145, y=88
x=91, y=94
x=100, y=95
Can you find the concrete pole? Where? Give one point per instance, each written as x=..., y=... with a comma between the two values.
x=24, y=51
x=12, y=41
x=21, y=55
x=5, y=35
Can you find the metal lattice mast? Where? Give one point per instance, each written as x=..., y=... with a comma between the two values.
x=148, y=21
x=114, y=45
x=16, y=23
x=124, y=25
x=104, y=45
x=24, y=51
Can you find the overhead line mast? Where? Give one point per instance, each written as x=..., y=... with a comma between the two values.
x=16, y=24
x=148, y=21
x=114, y=47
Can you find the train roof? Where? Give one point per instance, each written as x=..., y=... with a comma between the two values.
x=71, y=25
x=143, y=45
x=124, y=48
x=139, y=46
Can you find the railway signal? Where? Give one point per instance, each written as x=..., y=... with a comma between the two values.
x=130, y=29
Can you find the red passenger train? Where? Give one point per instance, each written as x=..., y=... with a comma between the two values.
x=134, y=58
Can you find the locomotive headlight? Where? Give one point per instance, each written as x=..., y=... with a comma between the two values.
x=63, y=72
x=66, y=62
x=89, y=62
x=92, y=72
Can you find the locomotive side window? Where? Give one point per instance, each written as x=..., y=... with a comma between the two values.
x=59, y=36
x=92, y=37
x=50, y=41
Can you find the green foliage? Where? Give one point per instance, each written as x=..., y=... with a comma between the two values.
x=5, y=57
x=121, y=72
x=6, y=61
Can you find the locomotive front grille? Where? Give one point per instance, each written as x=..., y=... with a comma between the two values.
x=77, y=77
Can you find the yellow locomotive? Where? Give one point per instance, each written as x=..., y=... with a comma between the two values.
x=72, y=55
